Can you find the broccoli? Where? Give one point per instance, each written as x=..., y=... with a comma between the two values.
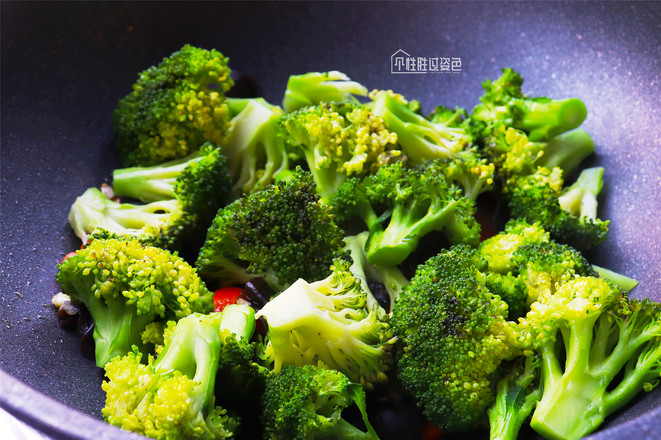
x=391, y=277
x=282, y=232
x=337, y=141
x=517, y=394
x=199, y=182
x=535, y=199
x=454, y=336
x=329, y=320
x=125, y=285
x=313, y=88
x=589, y=334
x=173, y=396
x=183, y=197
x=256, y=154
x=401, y=205
x=598, y=347
x=514, y=155
x=420, y=138
x=471, y=171
x=535, y=192
x=540, y=117
x=306, y=402
x=174, y=108
x=502, y=271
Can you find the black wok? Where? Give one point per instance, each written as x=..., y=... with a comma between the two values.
x=65, y=65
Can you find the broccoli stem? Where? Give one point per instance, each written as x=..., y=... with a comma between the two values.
x=408, y=224
x=567, y=151
x=622, y=281
x=510, y=411
x=240, y=320
x=194, y=350
x=544, y=118
x=393, y=280
x=150, y=184
x=344, y=430
x=571, y=405
x=580, y=199
x=419, y=138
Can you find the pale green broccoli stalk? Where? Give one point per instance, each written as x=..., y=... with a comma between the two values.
x=597, y=342
x=622, y=281
x=390, y=276
x=256, y=154
x=174, y=108
x=125, y=286
x=540, y=117
x=580, y=198
x=598, y=347
x=420, y=138
x=306, y=403
x=517, y=395
x=159, y=223
x=173, y=396
x=337, y=141
x=316, y=87
x=183, y=197
x=329, y=320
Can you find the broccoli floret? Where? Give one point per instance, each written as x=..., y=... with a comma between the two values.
x=454, y=336
x=306, y=403
x=517, y=394
x=502, y=269
x=420, y=138
x=125, y=286
x=329, y=320
x=515, y=155
x=470, y=171
x=534, y=199
x=174, y=108
x=314, y=88
x=498, y=251
x=404, y=205
x=255, y=151
x=337, y=141
x=282, y=232
x=173, y=396
x=599, y=349
x=540, y=117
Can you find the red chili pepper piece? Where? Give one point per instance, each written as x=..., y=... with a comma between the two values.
x=224, y=297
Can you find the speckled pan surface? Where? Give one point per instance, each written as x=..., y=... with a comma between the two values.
x=65, y=65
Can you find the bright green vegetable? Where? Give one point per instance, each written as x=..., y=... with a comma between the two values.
x=540, y=117
x=174, y=108
x=282, y=232
x=173, y=396
x=314, y=88
x=125, y=285
x=329, y=321
x=306, y=403
x=337, y=141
